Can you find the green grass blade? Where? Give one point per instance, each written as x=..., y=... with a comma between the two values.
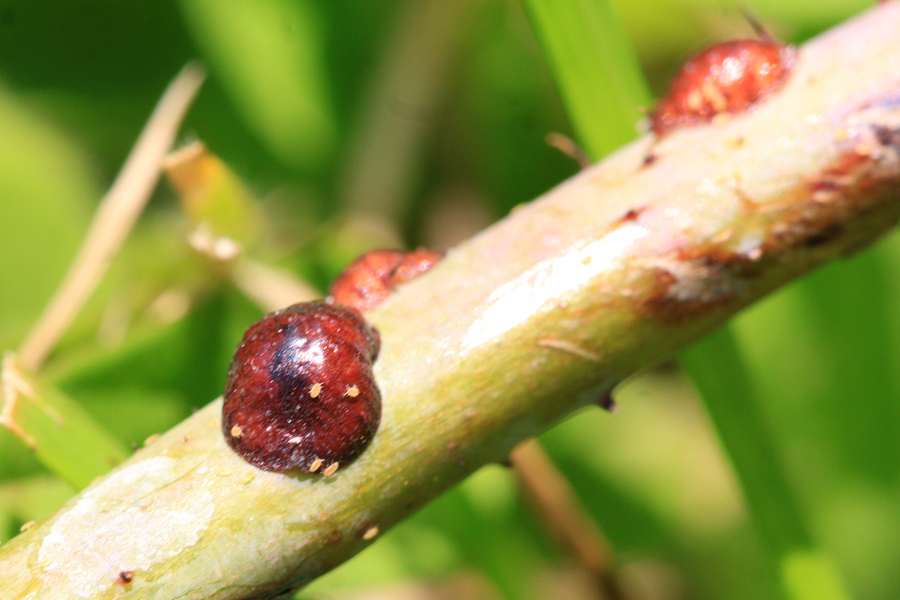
x=65, y=438
x=269, y=56
x=596, y=70
x=717, y=370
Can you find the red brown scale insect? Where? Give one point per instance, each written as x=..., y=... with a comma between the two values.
x=368, y=280
x=300, y=391
x=727, y=78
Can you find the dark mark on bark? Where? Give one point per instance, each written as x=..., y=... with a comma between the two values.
x=696, y=281
x=607, y=403
x=125, y=577
x=632, y=214
x=862, y=183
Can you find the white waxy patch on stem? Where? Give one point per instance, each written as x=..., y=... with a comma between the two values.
x=513, y=303
x=136, y=516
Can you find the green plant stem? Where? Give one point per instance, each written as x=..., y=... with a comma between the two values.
x=616, y=269
x=596, y=70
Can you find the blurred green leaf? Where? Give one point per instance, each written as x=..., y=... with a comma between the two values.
x=812, y=576
x=170, y=368
x=498, y=128
x=60, y=433
x=597, y=72
x=823, y=355
x=717, y=369
x=46, y=191
x=269, y=55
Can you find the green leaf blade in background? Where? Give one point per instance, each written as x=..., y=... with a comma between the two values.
x=826, y=386
x=598, y=74
x=28, y=499
x=63, y=436
x=269, y=56
x=46, y=191
x=717, y=369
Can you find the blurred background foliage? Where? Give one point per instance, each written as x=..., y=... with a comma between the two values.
x=354, y=124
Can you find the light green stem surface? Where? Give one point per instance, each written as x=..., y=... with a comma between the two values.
x=615, y=269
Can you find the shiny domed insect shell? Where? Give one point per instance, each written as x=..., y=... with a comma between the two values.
x=726, y=78
x=368, y=281
x=300, y=390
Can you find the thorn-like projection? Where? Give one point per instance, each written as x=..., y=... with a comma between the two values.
x=570, y=148
x=607, y=403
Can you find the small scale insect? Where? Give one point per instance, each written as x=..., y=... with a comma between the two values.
x=300, y=391
x=286, y=402
x=727, y=78
x=368, y=280
x=125, y=577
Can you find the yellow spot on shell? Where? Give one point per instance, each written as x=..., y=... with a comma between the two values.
x=714, y=96
x=353, y=391
x=236, y=431
x=370, y=533
x=332, y=468
x=695, y=100
x=315, y=390
x=315, y=465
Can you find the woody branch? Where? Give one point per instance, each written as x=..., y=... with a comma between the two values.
x=614, y=270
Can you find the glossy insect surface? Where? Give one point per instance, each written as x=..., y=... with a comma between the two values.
x=727, y=78
x=300, y=391
x=368, y=280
